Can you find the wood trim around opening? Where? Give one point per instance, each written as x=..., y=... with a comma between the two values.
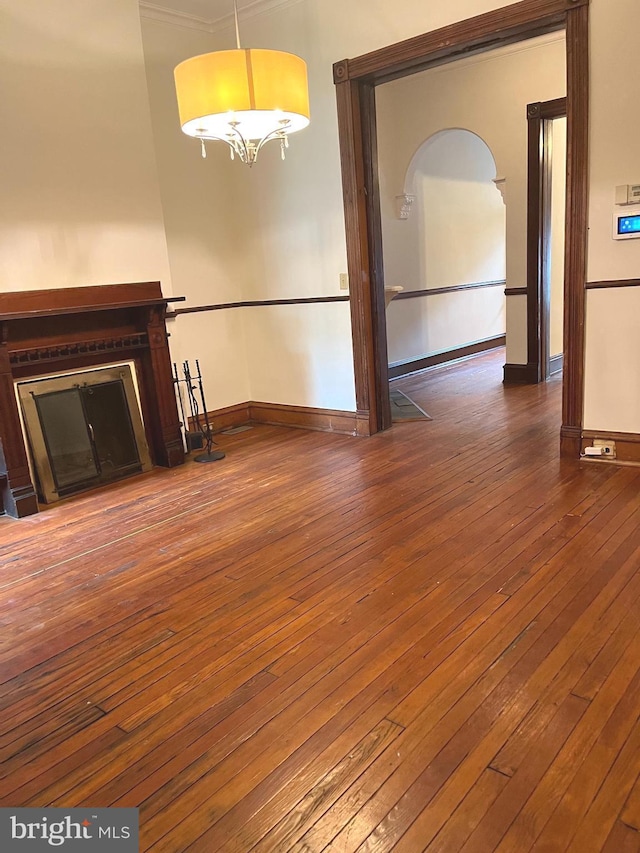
x=577, y=222
x=355, y=79
x=363, y=327
x=497, y=28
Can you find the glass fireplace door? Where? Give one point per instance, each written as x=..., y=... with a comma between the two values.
x=110, y=428
x=84, y=429
x=67, y=439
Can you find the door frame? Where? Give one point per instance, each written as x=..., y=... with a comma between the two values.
x=540, y=117
x=355, y=81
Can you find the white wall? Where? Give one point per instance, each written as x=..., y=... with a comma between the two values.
x=487, y=95
x=293, y=227
x=80, y=202
x=286, y=369
x=612, y=370
x=455, y=234
x=237, y=234
x=612, y=400
x=434, y=324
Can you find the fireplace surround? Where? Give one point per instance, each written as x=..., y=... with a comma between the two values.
x=49, y=332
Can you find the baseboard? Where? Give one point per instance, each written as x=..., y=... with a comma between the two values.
x=230, y=416
x=304, y=417
x=278, y=414
x=627, y=446
x=527, y=373
x=363, y=424
x=570, y=438
x=556, y=363
x=406, y=367
x=19, y=502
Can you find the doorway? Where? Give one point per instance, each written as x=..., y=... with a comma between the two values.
x=448, y=252
x=355, y=81
x=547, y=141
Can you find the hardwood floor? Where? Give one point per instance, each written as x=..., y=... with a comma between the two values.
x=425, y=640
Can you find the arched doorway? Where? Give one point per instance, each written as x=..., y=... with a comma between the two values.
x=448, y=252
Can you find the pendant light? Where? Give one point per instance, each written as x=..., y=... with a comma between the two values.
x=244, y=97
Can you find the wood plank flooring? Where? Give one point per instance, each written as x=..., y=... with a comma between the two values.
x=424, y=641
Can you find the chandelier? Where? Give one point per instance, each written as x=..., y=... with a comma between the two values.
x=244, y=97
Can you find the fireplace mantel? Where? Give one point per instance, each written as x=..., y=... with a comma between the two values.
x=44, y=332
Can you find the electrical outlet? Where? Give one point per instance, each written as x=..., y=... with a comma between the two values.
x=593, y=451
x=344, y=281
x=607, y=448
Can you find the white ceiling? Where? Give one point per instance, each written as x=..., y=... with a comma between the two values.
x=205, y=14
x=206, y=10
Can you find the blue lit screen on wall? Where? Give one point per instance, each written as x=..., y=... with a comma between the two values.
x=629, y=224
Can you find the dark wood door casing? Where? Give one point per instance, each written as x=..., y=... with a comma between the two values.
x=355, y=81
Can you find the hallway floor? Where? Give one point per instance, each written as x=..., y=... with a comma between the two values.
x=425, y=640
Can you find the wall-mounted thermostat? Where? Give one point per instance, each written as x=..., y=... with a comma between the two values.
x=628, y=194
x=626, y=226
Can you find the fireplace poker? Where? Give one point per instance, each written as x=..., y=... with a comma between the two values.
x=177, y=381
x=209, y=455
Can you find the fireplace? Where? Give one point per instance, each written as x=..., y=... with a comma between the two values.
x=86, y=386
x=84, y=429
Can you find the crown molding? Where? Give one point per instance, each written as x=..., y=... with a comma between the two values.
x=155, y=12
x=152, y=12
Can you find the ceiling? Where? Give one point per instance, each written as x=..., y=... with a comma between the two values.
x=205, y=14
x=207, y=10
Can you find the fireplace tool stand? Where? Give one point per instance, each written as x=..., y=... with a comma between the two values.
x=195, y=396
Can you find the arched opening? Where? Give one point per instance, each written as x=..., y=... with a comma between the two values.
x=447, y=250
